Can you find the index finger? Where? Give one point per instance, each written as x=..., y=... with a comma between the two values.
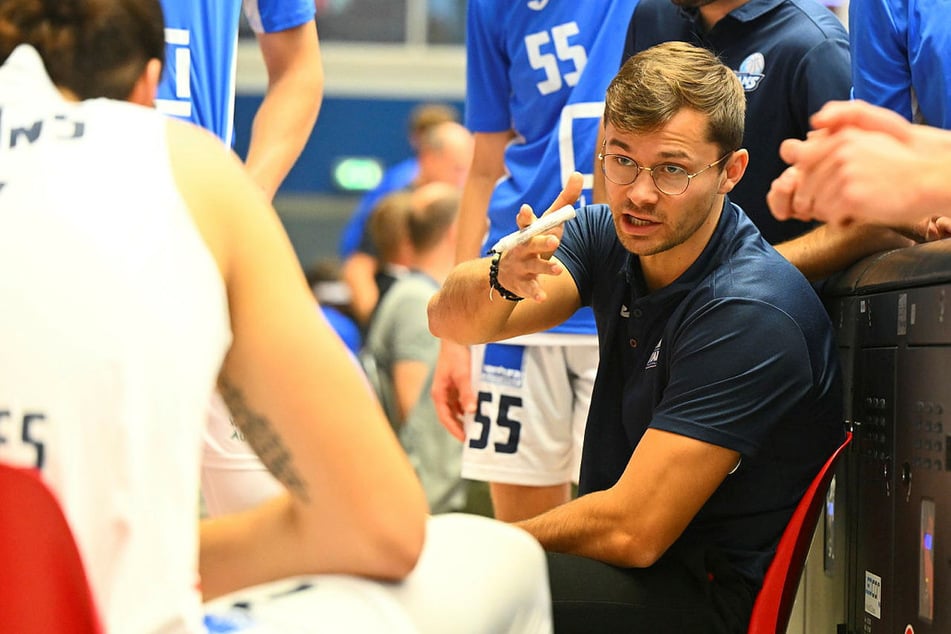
x=569, y=193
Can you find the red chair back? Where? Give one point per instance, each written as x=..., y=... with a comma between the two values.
x=774, y=602
x=43, y=586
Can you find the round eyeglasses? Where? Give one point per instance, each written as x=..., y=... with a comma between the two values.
x=669, y=179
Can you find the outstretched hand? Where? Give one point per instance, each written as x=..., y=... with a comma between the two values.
x=524, y=263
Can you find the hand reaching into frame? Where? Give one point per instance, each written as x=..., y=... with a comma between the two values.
x=864, y=163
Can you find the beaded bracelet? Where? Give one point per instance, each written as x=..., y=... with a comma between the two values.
x=494, y=280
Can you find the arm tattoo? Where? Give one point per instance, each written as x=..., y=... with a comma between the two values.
x=263, y=439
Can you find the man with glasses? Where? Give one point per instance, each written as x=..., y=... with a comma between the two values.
x=670, y=179
x=718, y=395
x=791, y=57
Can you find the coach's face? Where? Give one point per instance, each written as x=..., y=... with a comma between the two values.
x=667, y=215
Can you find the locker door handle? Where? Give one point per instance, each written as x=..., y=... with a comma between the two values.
x=886, y=478
x=906, y=480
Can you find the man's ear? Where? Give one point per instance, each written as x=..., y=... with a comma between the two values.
x=146, y=86
x=734, y=170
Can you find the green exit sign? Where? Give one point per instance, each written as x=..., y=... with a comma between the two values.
x=357, y=173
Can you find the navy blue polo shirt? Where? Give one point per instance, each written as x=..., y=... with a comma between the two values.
x=792, y=56
x=737, y=352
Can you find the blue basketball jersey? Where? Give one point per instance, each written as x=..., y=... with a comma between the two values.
x=528, y=69
x=200, y=44
x=901, y=57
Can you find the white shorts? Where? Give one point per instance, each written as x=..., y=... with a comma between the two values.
x=532, y=406
x=475, y=576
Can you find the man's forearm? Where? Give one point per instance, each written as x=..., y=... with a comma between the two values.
x=829, y=249
x=587, y=527
x=283, y=123
x=463, y=311
x=280, y=130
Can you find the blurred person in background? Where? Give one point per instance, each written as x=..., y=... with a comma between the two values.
x=395, y=177
x=444, y=155
x=333, y=297
x=405, y=352
x=388, y=232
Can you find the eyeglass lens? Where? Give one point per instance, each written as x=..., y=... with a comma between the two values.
x=669, y=179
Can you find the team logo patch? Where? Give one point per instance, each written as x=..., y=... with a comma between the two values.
x=652, y=360
x=537, y=5
x=502, y=365
x=751, y=70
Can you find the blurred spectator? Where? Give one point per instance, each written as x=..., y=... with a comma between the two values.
x=405, y=352
x=444, y=155
x=333, y=296
x=398, y=176
x=389, y=234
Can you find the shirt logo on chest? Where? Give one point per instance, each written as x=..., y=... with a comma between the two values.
x=652, y=360
x=625, y=311
x=751, y=70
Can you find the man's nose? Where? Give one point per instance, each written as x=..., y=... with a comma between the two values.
x=643, y=188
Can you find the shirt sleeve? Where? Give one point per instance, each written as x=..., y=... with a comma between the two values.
x=586, y=241
x=270, y=16
x=631, y=45
x=730, y=384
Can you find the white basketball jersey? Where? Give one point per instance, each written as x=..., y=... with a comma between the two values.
x=113, y=326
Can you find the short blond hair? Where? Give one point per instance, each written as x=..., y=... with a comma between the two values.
x=657, y=83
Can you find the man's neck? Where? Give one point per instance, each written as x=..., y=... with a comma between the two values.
x=712, y=13
x=663, y=269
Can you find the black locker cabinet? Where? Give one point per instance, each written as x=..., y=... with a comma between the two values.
x=898, y=386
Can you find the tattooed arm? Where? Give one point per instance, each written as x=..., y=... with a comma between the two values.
x=353, y=503
x=260, y=434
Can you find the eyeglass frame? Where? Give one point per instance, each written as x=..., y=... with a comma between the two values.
x=602, y=155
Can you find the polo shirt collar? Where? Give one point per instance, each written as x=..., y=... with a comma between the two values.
x=745, y=13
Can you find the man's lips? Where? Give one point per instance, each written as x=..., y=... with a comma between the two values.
x=636, y=225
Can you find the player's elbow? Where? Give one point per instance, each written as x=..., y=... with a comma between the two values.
x=393, y=552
